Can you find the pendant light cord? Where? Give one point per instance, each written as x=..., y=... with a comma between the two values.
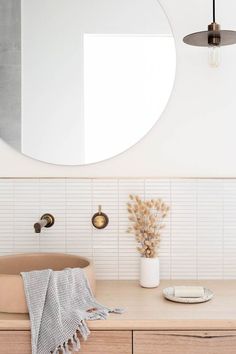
x=214, y=11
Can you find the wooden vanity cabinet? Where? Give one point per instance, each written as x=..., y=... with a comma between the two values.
x=100, y=342
x=184, y=342
x=136, y=342
x=15, y=342
x=108, y=342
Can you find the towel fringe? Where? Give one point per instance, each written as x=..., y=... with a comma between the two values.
x=73, y=344
x=76, y=343
x=67, y=349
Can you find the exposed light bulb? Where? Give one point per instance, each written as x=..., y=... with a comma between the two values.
x=214, y=56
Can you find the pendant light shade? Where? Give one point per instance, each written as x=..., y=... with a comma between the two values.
x=206, y=38
x=213, y=36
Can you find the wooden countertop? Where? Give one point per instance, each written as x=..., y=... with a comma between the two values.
x=146, y=309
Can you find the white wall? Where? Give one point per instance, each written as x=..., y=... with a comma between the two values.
x=196, y=134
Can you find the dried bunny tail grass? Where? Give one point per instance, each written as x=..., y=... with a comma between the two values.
x=146, y=219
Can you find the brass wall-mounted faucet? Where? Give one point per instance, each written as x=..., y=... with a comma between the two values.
x=47, y=220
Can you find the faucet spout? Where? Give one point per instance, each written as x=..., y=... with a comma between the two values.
x=47, y=220
x=39, y=225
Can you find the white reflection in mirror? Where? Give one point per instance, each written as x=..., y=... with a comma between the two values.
x=128, y=79
x=87, y=78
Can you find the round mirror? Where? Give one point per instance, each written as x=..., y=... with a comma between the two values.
x=82, y=80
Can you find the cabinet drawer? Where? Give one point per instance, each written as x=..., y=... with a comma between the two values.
x=99, y=342
x=15, y=342
x=185, y=342
x=108, y=342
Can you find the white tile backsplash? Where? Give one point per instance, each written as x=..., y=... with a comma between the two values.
x=198, y=242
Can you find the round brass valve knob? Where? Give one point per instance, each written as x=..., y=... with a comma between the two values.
x=100, y=220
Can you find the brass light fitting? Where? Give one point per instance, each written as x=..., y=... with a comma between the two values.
x=213, y=38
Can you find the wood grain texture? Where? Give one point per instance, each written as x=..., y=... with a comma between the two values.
x=99, y=342
x=15, y=342
x=108, y=342
x=185, y=342
x=146, y=309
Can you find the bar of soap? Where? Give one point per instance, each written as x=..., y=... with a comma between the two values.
x=189, y=291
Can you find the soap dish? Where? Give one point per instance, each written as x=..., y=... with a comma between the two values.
x=169, y=294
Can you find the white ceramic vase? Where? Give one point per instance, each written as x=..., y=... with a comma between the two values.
x=149, y=272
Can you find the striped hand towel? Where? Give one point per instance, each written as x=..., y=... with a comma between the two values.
x=59, y=303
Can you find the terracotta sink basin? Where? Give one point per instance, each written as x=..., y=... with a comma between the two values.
x=12, y=296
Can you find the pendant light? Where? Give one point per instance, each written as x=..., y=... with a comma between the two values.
x=213, y=38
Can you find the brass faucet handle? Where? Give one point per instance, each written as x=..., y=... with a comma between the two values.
x=49, y=218
x=100, y=220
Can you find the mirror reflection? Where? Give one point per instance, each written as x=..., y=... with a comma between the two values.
x=82, y=80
